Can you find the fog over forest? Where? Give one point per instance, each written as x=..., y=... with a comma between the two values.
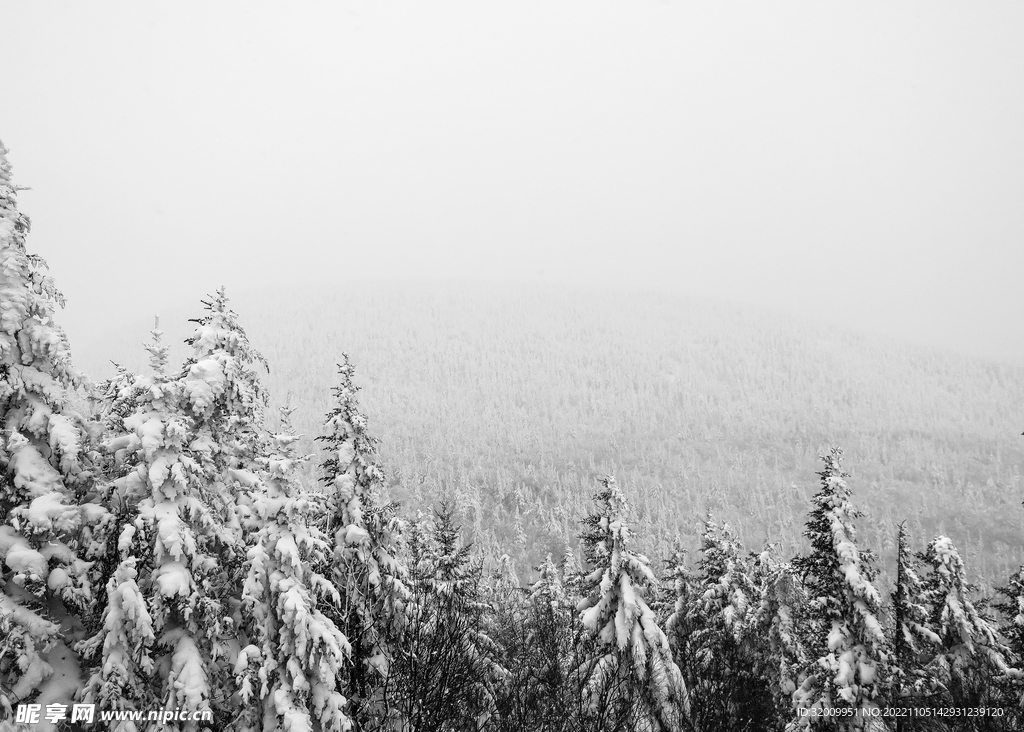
x=860, y=165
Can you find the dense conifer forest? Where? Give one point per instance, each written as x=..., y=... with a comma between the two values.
x=649, y=524
x=514, y=402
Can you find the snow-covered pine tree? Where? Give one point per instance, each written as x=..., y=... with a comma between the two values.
x=288, y=676
x=631, y=677
x=366, y=565
x=849, y=657
x=969, y=656
x=46, y=506
x=720, y=660
x=447, y=673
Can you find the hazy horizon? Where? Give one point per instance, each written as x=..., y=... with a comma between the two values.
x=861, y=166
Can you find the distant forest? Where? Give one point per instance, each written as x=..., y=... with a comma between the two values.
x=587, y=515
x=512, y=403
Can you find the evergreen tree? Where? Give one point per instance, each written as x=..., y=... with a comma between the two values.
x=912, y=638
x=224, y=399
x=968, y=658
x=47, y=506
x=719, y=650
x=288, y=676
x=781, y=622
x=538, y=642
x=188, y=452
x=447, y=676
x=1012, y=629
x=365, y=565
x=632, y=659
x=849, y=655
x=1012, y=608
x=120, y=652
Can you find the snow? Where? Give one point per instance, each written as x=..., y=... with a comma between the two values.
x=32, y=473
x=23, y=559
x=169, y=530
x=58, y=578
x=61, y=685
x=188, y=676
x=46, y=510
x=172, y=579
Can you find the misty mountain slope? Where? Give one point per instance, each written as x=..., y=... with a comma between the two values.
x=514, y=400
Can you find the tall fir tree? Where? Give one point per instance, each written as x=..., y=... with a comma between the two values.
x=913, y=640
x=289, y=675
x=46, y=502
x=631, y=677
x=223, y=396
x=781, y=622
x=189, y=453
x=849, y=653
x=366, y=564
x=120, y=654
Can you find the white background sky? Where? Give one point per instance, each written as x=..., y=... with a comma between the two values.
x=856, y=162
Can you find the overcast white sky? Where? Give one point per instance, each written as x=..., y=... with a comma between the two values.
x=859, y=162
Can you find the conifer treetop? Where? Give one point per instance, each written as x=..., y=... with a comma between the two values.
x=44, y=469
x=630, y=644
x=852, y=650
x=34, y=353
x=219, y=377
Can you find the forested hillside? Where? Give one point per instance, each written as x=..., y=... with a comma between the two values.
x=513, y=400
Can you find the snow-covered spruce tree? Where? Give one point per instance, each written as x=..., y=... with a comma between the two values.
x=46, y=505
x=778, y=621
x=912, y=639
x=631, y=679
x=225, y=399
x=189, y=451
x=446, y=674
x=119, y=655
x=849, y=657
x=969, y=656
x=288, y=676
x=366, y=565
x=719, y=657
x=1011, y=606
